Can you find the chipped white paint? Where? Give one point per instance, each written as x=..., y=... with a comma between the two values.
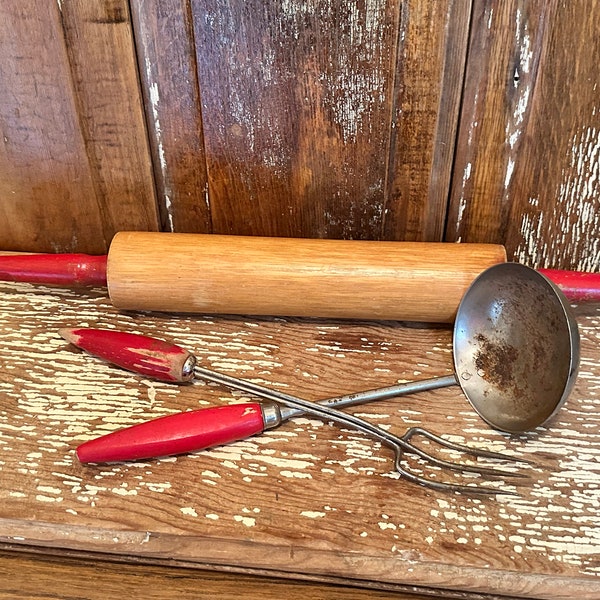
x=313, y=514
x=330, y=90
x=286, y=480
x=154, y=96
x=244, y=520
x=522, y=84
x=576, y=219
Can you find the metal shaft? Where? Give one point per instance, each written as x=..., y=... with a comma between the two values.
x=324, y=410
x=401, y=389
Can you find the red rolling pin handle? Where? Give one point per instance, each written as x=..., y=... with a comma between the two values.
x=577, y=287
x=179, y=433
x=54, y=269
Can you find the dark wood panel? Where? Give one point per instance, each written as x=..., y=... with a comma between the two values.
x=429, y=72
x=527, y=155
x=42, y=154
x=296, y=104
x=34, y=576
x=166, y=55
x=303, y=104
x=74, y=159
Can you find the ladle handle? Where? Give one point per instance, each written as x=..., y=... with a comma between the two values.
x=393, y=391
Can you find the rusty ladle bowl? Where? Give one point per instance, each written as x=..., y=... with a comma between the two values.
x=515, y=347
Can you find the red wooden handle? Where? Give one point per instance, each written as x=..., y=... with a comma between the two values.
x=176, y=434
x=138, y=353
x=577, y=287
x=58, y=269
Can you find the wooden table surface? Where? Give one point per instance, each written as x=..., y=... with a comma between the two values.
x=307, y=500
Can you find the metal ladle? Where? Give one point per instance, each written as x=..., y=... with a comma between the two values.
x=515, y=350
x=515, y=347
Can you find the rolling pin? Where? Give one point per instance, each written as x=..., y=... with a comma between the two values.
x=208, y=273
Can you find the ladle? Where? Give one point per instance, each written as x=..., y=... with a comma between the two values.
x=515, y=347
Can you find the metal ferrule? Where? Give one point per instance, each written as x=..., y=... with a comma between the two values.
x=187, y=371
x=271, y=415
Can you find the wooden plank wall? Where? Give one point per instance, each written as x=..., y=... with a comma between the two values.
x=317, y=119
x=74, y=160
x=380, y=119
x=528, y=151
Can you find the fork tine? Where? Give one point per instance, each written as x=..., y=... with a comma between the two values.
x=472, y=450
x=464, y=468
x=408, y=447
x=478, y=452
x=446, y=486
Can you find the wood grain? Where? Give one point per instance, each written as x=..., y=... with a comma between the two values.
x=305, y=498
x=527, y=151
x=31, y=576
x=309, y=119
x=169, y=78
x=74, y=158
x=344, y=279
x=295, y=103
x=429, y=70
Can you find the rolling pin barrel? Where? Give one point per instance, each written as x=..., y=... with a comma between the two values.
x=195, y=273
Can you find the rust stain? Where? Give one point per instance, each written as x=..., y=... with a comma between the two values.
x=495, y=362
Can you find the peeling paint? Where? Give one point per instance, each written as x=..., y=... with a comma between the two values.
x=154, y=97
x=304, y=473
x=576, y=219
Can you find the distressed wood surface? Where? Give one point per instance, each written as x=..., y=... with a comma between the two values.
x=322, y=119
x=526, y=171
x=429, y=71
x=307, y=498
x=166, y=58
x=296, y=101
x=73, y=148
x=383, y=119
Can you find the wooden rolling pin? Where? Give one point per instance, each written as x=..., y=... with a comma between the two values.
x=206, y=273
x=293, y=277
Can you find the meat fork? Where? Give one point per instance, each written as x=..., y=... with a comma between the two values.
x=195, y=430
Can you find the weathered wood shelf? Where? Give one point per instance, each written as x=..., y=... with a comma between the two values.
x=306, y=500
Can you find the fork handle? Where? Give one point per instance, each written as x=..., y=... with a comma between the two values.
x=179, y=433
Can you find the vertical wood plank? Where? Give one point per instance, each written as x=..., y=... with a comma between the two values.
x=166, y=55
x=556, y=221
x=99, y=39
x=74, y=153
x=42, y=153
x=296, y=100
x=527, y=153
x=429, y=74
